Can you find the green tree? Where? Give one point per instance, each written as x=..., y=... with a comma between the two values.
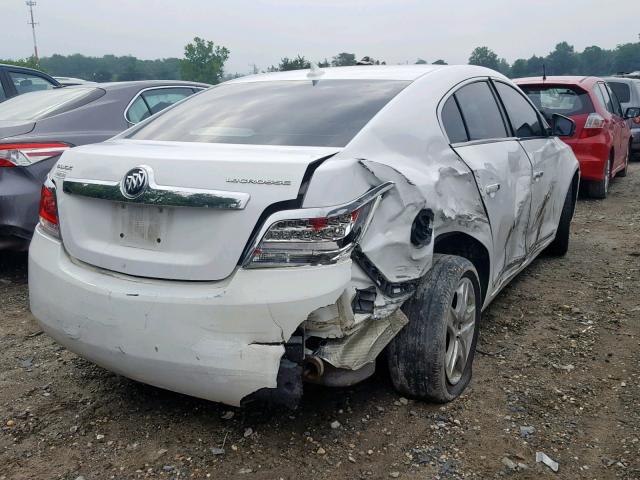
x=563, y=60
x=420, y=61
x=596, y=61
x=203, y=61
x=29, y=62
x=520, y=68
x=485, y=57
x=504, y=67
x=344, y=59
x=627, y=57
x=535, y=66
x=298, y=63
x=324, y=63
x=440, y=62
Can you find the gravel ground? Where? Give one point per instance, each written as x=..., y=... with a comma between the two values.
x=558, y=373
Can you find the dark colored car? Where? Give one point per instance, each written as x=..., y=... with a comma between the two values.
x=602, y=139
x=628, y=92
x=37, y=127
x=18, y=80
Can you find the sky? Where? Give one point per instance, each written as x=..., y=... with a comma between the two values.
x=263, y=31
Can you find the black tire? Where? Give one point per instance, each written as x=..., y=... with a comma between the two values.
x=416, y=356
x=623, y=173
x=560, y=245
x=600, y=188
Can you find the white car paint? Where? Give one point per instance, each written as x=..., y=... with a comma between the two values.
x=139, y=312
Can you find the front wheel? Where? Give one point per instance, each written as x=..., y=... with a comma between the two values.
x=600, y=188
x=432, y=356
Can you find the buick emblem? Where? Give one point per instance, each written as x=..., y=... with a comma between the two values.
x=135, y=182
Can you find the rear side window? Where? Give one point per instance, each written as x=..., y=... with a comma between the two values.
x=480, y=112
x=26, y=82
x=622, y=91
x=603, y=96
x=524, y=119
x=452, y=122
x=562, y=99
x=617, y=108
x=38, y=105
x=3, y=96
x=154, y=101
x=297, y=113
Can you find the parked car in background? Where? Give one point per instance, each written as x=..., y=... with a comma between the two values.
x=36, y=128
x=290, y=226
x=628, y=92
x=602, y=140
x=71, y=81
x=18, y=80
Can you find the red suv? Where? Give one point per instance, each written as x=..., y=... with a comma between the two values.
x=602, y=139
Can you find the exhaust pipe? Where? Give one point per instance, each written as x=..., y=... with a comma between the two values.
x=313, y=368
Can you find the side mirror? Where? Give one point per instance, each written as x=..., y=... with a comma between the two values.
x=632, y=112
x=562, y=126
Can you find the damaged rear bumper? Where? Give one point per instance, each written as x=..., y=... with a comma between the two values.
x=220, y=341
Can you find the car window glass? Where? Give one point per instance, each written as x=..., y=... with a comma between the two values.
x=524, y=119
x=452, y=122
x=617, y=108
x=622, y=91
x=480, y=112
x=561, y=99
x=138, y=111
x=160, y=98
x=3, y=96
x=296, y=112
x=605, y=96
x=26, y=82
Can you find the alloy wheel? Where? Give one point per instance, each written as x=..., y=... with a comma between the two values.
x=461, y=325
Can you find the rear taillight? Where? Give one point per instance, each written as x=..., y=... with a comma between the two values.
x=49, y=210
x=592, y=127
x=594, y=120
x=315, y=236
x=25, y=154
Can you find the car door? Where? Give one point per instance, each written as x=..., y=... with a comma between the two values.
x=501, y=168
x=153, y=100
x=545, y=154
x=613, y=124
x=622, y=127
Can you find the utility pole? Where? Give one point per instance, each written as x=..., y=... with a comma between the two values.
x=31, y=4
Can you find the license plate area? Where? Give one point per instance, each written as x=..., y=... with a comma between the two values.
x=140, y=226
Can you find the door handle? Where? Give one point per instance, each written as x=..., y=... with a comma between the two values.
x=492, y=189
x=538, y=175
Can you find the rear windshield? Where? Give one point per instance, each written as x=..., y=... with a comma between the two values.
x=37, y=105
x=622, y=91
x=563, y=99
x=297, y=113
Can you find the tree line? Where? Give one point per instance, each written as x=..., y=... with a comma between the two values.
x=205, y=62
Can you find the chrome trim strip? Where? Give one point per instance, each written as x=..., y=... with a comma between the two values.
x=373, y=194
x=162, y=195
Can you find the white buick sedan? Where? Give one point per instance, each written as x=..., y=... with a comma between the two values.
x=293, y=226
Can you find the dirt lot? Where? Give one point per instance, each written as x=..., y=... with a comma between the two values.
x=560, y=352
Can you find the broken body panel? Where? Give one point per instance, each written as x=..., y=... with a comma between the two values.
x=224, y=337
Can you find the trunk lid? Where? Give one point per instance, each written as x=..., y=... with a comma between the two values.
x=9, y=128
x=173, y=242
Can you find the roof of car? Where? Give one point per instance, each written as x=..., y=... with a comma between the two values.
x=559, y=80
x=359, y=72
x=147, y=84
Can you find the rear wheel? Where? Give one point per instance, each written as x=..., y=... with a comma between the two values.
x=623, y=172
x=600, y=188
x=560, y=245
x=432, y=356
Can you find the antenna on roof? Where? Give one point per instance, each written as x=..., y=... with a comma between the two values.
x=544, y=72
